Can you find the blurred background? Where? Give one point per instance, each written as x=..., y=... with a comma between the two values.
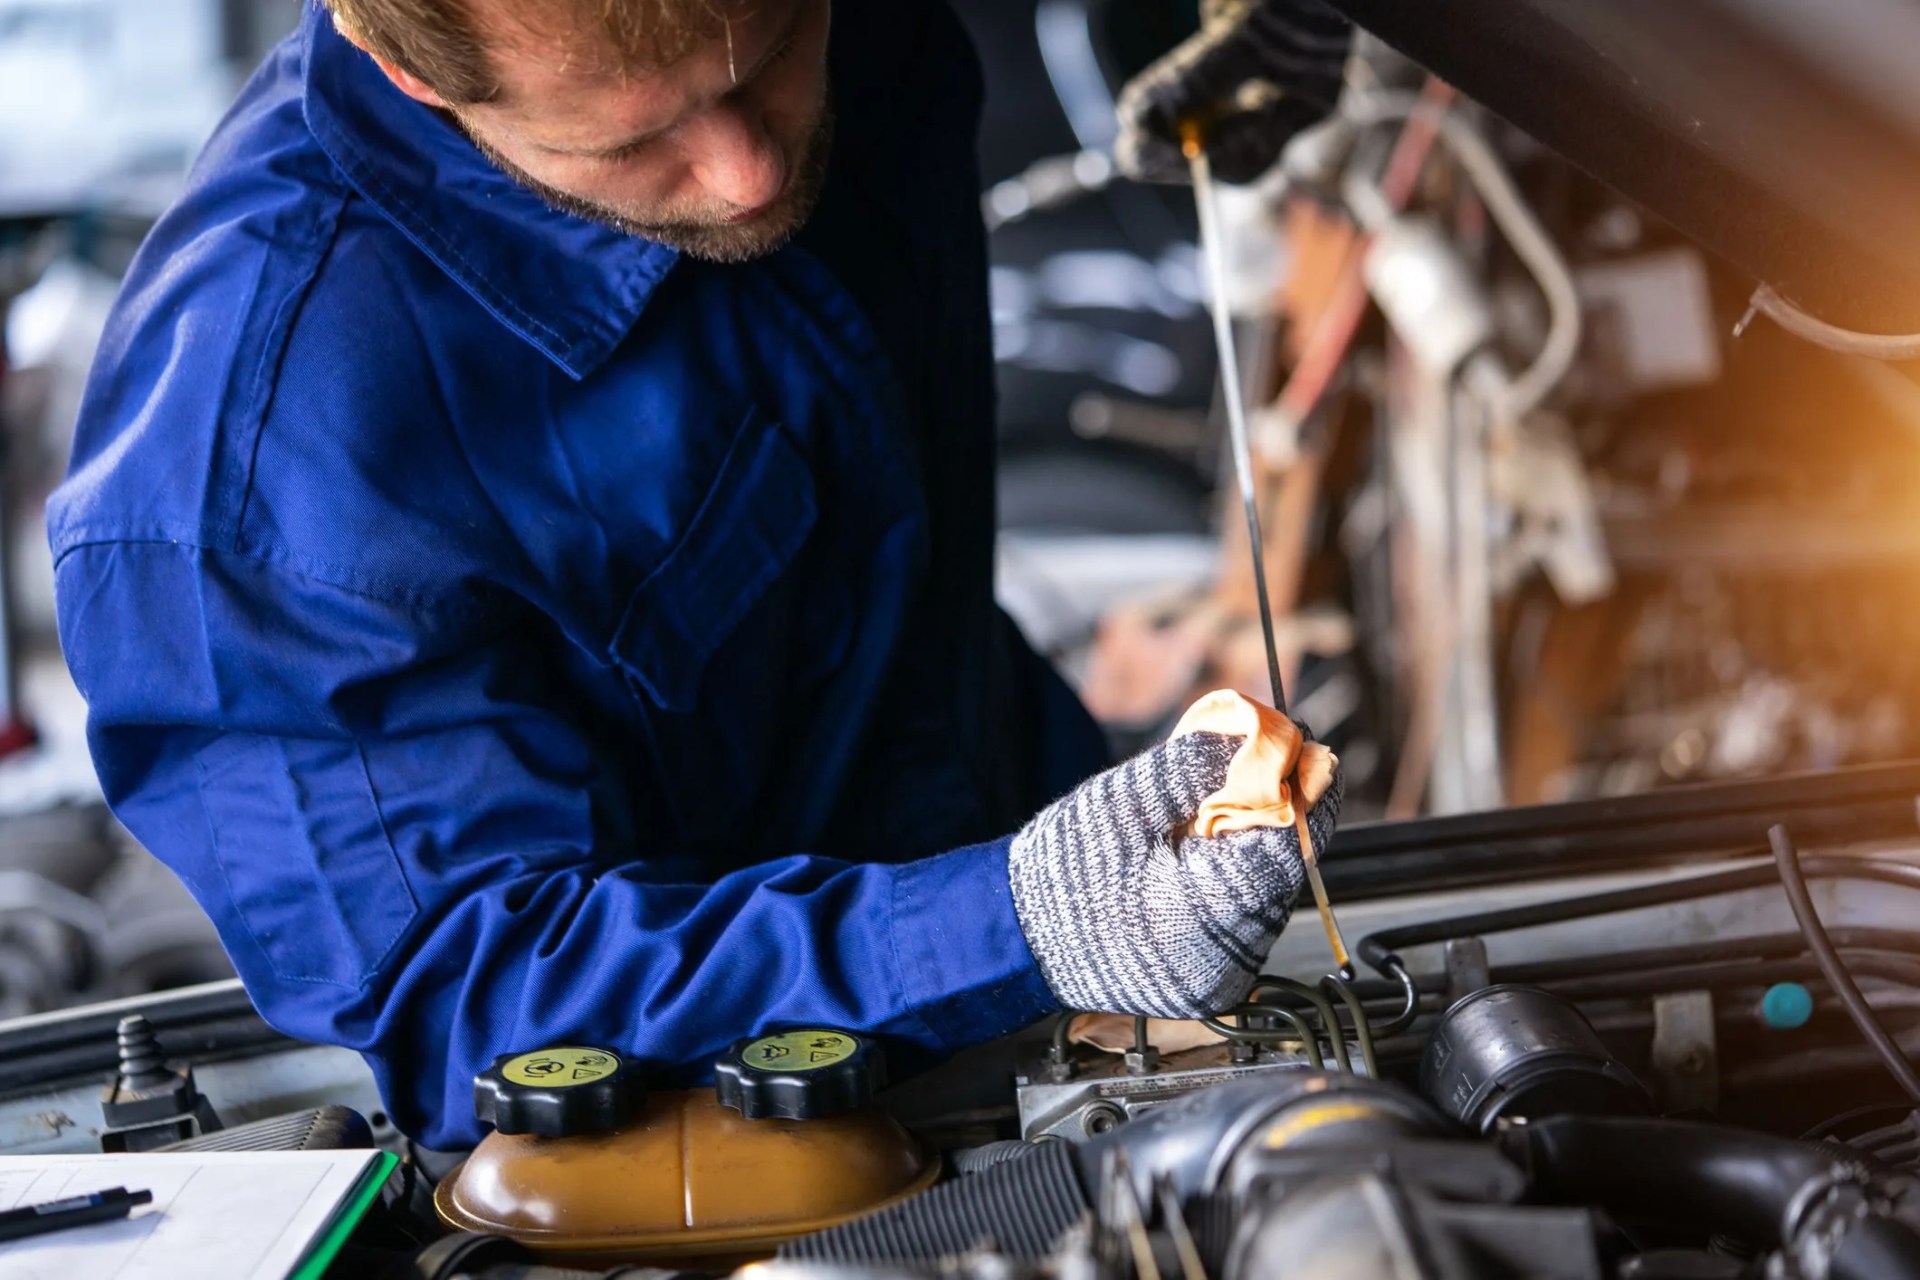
x=1538, y=526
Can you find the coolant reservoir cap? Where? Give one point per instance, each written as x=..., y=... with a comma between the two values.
x=805, y=1074
x=562, y=1092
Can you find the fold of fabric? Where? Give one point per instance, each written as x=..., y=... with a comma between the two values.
x=1275, y=759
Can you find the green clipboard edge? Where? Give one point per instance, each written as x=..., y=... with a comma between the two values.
x=320, y=1257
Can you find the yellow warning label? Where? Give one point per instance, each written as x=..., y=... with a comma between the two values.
x=561, y=1068
x=1316, y=1117
x=800, y=1050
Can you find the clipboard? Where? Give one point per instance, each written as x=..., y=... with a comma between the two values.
x=240, y=1215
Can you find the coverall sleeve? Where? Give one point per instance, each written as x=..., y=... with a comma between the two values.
x=384, y=807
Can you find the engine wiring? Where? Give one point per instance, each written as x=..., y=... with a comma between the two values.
x=1284, y=1012
x=1768, y=302
x=1378, y=949
x=1787, y=859
x=1510, y=212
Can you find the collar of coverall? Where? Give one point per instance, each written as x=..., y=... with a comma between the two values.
x=570, y=286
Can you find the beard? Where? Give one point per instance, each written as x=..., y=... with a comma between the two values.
x=724, y=242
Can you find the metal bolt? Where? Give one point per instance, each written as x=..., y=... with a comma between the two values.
x=1143, y=1057
x=141, y=1064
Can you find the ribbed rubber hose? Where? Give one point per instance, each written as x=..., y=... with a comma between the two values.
x=971, y=1160
x=1021, y=1207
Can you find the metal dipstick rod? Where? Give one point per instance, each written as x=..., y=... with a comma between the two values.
x=1213, y=247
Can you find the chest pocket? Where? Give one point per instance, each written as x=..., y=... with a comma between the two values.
x=715, y=602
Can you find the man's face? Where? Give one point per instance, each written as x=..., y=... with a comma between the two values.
x=720, y=154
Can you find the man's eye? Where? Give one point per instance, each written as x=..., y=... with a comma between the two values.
x=620, y=154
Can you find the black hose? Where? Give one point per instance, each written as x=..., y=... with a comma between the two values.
x=1766, y=946
x=1832, y=1125
x=1899, y=1156
x=1712, y=1179
x=1901, y=970
x=1619, y=833
x=1062, y=1035
x=1378, y=949
x=1021, y=1207
x=1786, y=859
x=1886, y=1136
x=1876, y=1249
x=1394, y=967
x=1815, y=1066
x=1731, y=1181
x=1299, y=1033
x=1336, y=1039
x=1335, y=985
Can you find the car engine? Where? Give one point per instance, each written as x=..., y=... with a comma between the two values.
x=1663, y=1037
x=1661, y=1029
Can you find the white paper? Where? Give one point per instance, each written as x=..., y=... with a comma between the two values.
x=243, y=1215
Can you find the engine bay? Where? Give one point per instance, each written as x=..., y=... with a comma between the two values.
x=1544, y=525
x=1653, y=1037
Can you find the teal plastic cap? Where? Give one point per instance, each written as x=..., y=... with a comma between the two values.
x=1786, y=1005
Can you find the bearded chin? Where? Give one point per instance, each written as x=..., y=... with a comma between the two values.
x=708, y=241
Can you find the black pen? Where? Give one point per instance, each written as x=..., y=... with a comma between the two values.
x=74, y=1211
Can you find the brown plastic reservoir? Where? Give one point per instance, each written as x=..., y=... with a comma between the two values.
x=688, y=1179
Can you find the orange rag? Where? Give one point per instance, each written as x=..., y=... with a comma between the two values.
x=1113, y=1033
x=1261, y=778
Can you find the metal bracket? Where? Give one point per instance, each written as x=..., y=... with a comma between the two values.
x=1686, y=1056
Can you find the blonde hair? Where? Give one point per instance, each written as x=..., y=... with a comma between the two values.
x=437, y=41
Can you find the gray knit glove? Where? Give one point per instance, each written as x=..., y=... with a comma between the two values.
x=1121, y=921
x=1255, y=74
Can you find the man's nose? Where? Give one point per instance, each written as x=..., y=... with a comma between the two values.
x=734, y=157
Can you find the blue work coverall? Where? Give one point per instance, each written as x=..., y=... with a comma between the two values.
x=514, y=633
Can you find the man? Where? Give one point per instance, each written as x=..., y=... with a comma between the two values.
x=528, y=559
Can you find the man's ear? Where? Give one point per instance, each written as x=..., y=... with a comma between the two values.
x=405, y=81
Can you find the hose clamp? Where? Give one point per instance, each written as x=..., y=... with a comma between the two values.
x=1828, y=1206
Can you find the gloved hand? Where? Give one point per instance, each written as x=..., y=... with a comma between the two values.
x=1122, y=921
x=1256, y=73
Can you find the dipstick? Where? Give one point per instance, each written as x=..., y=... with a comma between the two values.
x=1213, y=248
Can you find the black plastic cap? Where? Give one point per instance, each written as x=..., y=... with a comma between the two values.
x=562, y=1092
x=805, y=1074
